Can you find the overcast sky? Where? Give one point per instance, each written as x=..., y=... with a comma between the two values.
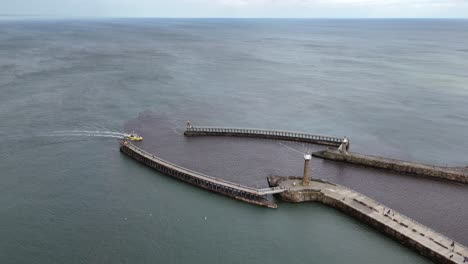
x=239, y=8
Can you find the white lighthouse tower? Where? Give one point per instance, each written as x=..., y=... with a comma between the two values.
x=307, y=158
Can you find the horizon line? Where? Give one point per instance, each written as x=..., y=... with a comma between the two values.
x=214, y=17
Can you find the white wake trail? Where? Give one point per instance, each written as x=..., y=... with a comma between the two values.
x=90, y=132
x=87, y=135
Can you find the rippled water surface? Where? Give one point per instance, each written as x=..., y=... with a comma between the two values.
x=396, y=88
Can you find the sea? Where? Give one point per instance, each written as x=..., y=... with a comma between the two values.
x=70, y=88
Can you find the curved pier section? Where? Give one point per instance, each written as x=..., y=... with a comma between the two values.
x=237, y=191
x=401, y=228
x=263, y=133
x=394, y=165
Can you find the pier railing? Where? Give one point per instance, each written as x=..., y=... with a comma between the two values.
x=203, y=177
x=402, y=216
x=263, y=133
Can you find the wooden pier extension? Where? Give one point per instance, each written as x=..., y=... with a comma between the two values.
x=263, y=133
x=237, y=191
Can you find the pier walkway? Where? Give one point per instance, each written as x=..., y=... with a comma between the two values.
x=406, y=167
x=424, y=240
x=263, y=133
x=237, y=191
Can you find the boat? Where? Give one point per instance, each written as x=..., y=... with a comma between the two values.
x=134, y=137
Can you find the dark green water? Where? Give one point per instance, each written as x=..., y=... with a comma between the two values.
x=394, y=87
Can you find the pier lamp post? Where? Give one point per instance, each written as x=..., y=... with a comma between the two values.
x=307, y=158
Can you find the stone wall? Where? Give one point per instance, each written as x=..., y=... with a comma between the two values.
x=394, y=165
x=316, y=195
x=190, y=177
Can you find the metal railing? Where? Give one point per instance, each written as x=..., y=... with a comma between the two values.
x=267, y=132
x=403, y=217
x=264, y=191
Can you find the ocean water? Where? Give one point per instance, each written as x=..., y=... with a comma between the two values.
x=396, y=88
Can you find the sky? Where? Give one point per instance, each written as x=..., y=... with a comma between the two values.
x=238, y=8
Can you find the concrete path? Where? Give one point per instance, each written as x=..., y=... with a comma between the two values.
x=405, y=226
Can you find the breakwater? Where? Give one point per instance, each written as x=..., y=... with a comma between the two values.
x=406, y=167
x=233, y=190
x=399, y=227
x=263, y=133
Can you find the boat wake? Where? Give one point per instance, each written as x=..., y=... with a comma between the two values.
x=87, y=133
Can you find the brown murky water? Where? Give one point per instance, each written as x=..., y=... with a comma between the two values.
x=441, y=205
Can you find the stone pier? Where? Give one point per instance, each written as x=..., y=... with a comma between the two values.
x=230, y=189
x=399, y=227
x=400, y=166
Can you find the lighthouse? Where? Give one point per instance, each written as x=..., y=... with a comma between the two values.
x=307, y=158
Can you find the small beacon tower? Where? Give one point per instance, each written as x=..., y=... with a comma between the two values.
x=307, y=158
x=344, y=146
